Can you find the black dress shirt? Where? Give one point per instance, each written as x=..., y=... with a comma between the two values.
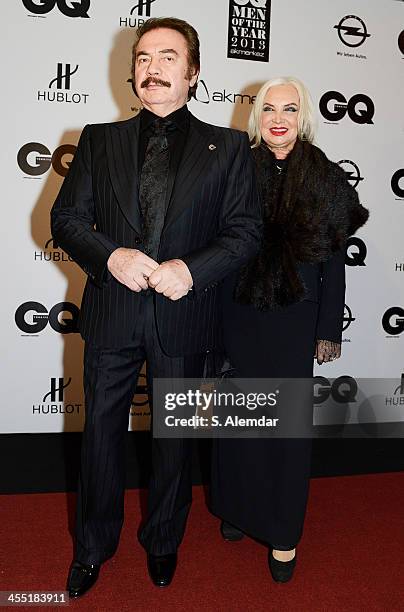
x=176, y=140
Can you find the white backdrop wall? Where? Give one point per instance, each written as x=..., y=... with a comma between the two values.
x=68, y=63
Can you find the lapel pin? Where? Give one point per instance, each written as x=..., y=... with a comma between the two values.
x=212, y=147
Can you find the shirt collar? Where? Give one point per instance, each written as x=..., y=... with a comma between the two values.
x=179, y=117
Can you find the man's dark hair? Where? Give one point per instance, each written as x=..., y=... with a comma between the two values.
x=191, y=39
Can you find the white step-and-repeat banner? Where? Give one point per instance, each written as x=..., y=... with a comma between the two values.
x=67, y=63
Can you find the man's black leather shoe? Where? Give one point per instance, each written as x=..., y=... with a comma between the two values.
x=230, y=533
x=161, y=568
x=81, y=578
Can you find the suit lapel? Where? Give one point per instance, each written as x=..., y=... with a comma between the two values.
x=122, y=141
x=196, y=158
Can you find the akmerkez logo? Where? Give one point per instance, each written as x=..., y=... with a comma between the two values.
x=348, y=318
x=352, y=171
x=33, y=317
x=342, y=390
x=60, y=86
x=356, y=252
x=398, y=190
x=138, y=14
x=393, y=321
x=34, y=159
x=204, y=96
x=352, y=31
x=74, y=8
x=334, y=106
x=248, y=34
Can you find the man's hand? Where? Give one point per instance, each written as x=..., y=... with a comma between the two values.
x=172, y=278
x=131, y=268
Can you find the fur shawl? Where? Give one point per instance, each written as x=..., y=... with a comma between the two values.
x=309, y=211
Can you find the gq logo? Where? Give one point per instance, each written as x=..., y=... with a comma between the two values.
x=401, y=42
x=395, y=183
x=35, y=165
x=356, y=252
x=76, y=8
x=334, y=106
x=40, y=318
x=393, y=321
x=343, y=390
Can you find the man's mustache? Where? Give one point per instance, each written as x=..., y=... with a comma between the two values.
x=154, y=81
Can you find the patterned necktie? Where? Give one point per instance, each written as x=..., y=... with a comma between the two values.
x=153, y=186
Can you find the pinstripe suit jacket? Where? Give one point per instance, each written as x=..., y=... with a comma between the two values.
x=213, y=223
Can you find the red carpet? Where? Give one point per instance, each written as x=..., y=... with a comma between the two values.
x=351, y=556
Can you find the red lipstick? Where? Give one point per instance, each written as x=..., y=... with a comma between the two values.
x=278, y=131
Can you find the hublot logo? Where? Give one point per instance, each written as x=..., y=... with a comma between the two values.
x=60, y=86
x=138, y=14
x=53, y=402
x=51, y=252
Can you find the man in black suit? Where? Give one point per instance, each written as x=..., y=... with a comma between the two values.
x=157, y=210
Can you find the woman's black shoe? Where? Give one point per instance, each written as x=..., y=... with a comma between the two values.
x=282, y=571
x=230, y=533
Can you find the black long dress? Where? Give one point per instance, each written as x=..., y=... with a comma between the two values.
x=261, y=485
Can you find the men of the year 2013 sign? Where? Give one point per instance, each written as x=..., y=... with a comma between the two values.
x=248, y=31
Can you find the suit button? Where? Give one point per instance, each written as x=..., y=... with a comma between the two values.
x=138, y=240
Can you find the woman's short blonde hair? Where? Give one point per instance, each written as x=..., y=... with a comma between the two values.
x=306, y=118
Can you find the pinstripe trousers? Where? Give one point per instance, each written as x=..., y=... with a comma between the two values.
x=110, y=378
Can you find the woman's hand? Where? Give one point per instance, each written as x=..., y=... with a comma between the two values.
x=327, y=351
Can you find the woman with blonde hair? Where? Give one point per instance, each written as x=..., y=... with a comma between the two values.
x=284, y=307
